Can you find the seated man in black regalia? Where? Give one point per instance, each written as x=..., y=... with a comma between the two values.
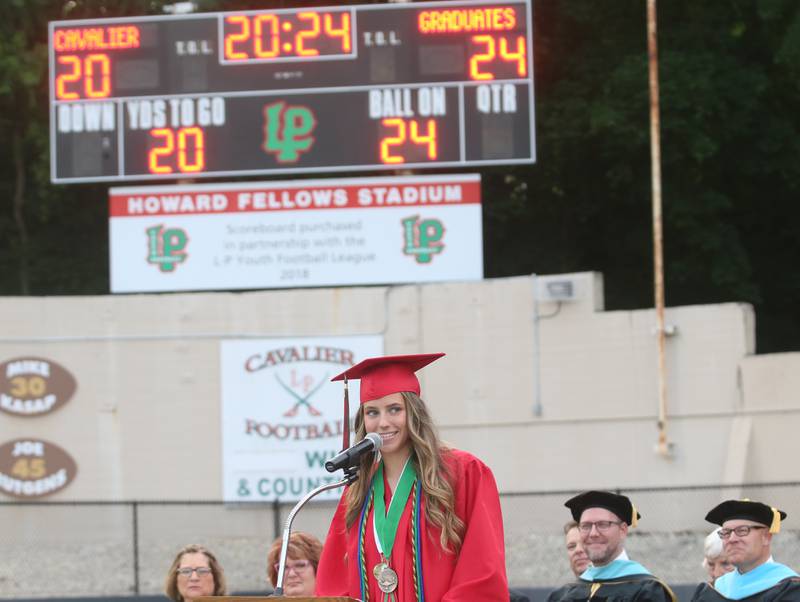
x=603, y=519
x=746, y=533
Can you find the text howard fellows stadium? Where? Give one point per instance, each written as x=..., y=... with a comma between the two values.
x=297, y=198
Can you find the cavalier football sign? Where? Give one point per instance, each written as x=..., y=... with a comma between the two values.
x=282, y=418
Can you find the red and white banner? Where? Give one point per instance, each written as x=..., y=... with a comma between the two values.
x=296, y=233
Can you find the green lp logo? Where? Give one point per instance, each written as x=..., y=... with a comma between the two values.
x=287, y=131
x=166, y=247
x=422, y=238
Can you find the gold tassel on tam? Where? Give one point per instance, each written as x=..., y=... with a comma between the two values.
x=775, y=527
x=634, y=519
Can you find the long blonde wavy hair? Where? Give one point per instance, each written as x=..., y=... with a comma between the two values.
x=434, y=477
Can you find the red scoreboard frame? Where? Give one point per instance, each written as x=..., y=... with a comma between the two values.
x=345, y=88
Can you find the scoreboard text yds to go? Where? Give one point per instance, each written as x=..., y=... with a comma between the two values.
x=292, y=90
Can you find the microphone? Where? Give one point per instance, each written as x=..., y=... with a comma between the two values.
x=350, y=457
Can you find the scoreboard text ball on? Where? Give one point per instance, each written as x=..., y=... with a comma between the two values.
x=344, y=88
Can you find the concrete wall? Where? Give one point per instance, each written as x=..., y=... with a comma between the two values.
x=554, y=397
x=565, y=402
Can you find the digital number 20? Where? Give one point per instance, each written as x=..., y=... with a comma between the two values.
x=93, y=69
x=188, y=157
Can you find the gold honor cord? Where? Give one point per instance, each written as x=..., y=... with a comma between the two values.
x=386, y=523
x=416, y=528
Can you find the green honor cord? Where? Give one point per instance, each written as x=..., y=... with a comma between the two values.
x=416, y=544
x=386, y=522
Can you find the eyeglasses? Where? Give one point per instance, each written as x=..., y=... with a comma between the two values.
x=601, y=525
x=741, y=531
x=187, y=571
x=298, y=566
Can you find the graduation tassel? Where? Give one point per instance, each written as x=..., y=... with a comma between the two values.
x=775, y=527
x=634, y=516
x=346, y=419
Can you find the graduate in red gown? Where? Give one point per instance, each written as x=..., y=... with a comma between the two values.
x=423, y=521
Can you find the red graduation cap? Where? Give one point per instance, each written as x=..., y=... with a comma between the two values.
x=388, y=374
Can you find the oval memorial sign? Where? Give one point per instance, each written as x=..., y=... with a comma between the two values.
x=32, y=386
x=32, y=468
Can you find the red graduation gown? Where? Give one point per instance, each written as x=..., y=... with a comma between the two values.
x=476, y=572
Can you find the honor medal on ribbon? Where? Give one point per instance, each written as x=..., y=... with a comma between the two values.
x=387, y=579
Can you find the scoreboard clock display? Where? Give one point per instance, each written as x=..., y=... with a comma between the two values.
x=344, y=88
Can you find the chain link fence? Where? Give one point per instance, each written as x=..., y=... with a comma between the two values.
x=125, y=548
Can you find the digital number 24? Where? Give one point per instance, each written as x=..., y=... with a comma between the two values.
x=403, y=133
x=493, y=48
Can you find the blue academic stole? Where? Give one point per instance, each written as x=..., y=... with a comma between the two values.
x=735, y=585
x=614, y=570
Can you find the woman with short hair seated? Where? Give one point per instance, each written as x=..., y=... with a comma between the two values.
x=302, y=559
x=715, y=561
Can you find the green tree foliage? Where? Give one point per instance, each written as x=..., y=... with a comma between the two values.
x=728, y=83
x=54, y=238
x=729, y=80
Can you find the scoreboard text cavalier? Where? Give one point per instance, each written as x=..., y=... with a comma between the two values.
x=292, y=90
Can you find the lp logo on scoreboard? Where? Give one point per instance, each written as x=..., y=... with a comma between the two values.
x=166, y=247
x=422, y=238
x=287, y=130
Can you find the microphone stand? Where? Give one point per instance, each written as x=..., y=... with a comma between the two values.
x=350, y=476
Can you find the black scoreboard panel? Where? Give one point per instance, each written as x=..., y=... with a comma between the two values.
x=291, y=90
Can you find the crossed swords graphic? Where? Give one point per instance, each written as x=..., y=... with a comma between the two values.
x=301, y=401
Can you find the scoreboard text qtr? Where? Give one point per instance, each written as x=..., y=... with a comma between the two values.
x=292, y=90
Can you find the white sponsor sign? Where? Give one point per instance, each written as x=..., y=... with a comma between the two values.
x=296, y=233
x=282, y=418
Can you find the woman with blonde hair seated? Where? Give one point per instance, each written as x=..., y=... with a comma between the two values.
x=195, y=572
x=302, y=559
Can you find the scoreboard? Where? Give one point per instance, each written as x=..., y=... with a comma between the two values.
x=345, y=88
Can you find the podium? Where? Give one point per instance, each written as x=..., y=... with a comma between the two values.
x=271, y=599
